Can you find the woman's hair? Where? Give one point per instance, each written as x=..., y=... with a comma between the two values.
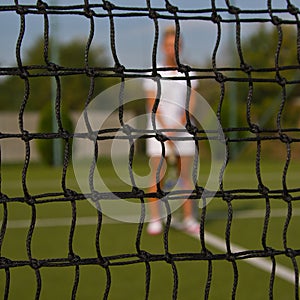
x=169, y=31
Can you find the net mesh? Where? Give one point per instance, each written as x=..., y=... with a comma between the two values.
x=239, y=73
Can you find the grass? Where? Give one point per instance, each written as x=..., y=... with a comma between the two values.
x=128, y=281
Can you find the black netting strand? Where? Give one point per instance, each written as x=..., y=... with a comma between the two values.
x=239, y=71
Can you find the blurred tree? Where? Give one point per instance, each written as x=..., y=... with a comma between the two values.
x=262, y=50
x=74, y=88
x=259, y=52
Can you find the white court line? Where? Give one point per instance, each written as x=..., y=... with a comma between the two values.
x=65, y=221
x=55, y=222
x=260, y=263
x=211, y=239
x=255, y=214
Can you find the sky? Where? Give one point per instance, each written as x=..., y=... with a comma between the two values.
x=134, y=35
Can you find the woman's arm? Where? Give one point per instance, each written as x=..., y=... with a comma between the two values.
x=151, y=96
x=192, y=105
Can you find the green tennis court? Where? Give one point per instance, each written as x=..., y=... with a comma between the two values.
x=50, y=239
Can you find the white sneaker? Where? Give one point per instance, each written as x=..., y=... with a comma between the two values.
x=175, y=223
x=154, y=227
x=191, y=225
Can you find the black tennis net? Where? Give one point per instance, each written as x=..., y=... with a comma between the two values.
x=276, y=131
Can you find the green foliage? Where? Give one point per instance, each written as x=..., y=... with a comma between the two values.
x=262, y=51
x=261, y=47
x=45, y=146
x=74, y=88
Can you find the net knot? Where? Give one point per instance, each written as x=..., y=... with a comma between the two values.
x=293, y=10
x=192, y=129
x=5, y=262
x=21, y=10
x=233, y=10
x=254, y=128
x=103, y=262
x=269, y=251
x=69, y=193
x=205, y=252
x=171, y=8
x=199, y=191
x=95, y=196
x=144, y=256
x=262, y=189
x=41, y=6
x=230, y=257
x=184, y=69
x=207, y=194
x=290, y=253
x=108, y=5
x=3, y=197
x=284, y=138
x=52, y=67
x=23, y=73
x=280, y=80
x=162, y=195
x=216, y=18
x=276, y=20
x=156, y=77
x=161, y=137
x=127, y=129
x=119, y=69
x=152, y=14
x=220, y=77
x=29, y=200
x=88, y=12
x=221, y=138
x=138, y=192
x=168, y=258
x=90, y=72
x=26, y=136
x=35, y=264
x=227, y=197
x=287, y=197
x=246, y=68
x=64, y=134
x=92, y=136
x=73, y=258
